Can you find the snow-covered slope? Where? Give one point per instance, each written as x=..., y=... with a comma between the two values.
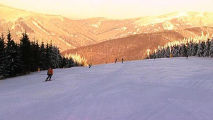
x=161, y=89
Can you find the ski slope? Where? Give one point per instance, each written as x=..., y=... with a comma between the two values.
x=161, y=89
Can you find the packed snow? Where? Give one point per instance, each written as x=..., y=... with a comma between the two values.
x=160, y=89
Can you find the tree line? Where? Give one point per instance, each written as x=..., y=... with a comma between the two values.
x=18, y=59
x=200, y=49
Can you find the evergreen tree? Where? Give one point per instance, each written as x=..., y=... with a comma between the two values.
x=175, y=52
x=167, y=52
x=56, y=59
x=159, y=54
x=53, y=57
x=71, y=63
x=190, y=49
x=194, y=49
x=26, y=52
x=37, y=53
x=47, y=58
x=207, y=48
x=64, y=62
x=184, y=51
x=36, y=56
x=2, y=55
x=60, y=60
x=12, y=63
x=211, y=48
x=18, y=63
x=42, y=62
x=26, y=57
x=179, y=51
x=200, y=51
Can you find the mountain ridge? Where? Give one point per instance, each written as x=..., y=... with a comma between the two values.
x=70, y=34
x=134, y=47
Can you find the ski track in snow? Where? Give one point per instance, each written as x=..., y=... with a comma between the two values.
x=161, y=89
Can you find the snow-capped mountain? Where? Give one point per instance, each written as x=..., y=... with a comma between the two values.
x=67, y=33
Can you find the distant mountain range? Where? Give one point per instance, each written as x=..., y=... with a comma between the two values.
x=133, y=47
x=105, y=38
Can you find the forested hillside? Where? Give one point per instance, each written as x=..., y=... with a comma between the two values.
x=25, y=57
x=202, y=47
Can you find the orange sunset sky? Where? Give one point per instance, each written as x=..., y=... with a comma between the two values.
x=110, y=8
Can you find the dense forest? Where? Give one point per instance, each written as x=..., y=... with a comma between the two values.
x=190, y=48
x=18, y=59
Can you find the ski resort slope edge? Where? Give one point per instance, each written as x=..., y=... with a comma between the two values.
x=161, y=89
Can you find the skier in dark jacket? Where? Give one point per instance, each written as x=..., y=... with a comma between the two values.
x=90, y=65
x=116, y=60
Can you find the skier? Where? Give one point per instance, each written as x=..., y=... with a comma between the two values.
x=116, y=60
x=90, y=65
x=49, y=74
x=122, y=60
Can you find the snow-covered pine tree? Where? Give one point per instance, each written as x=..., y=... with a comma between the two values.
x=167, y=52
x=184, y=50
x=207, y=48
x=179, y=51
x=154, y=55
x=161, y=53
x=190, y=48
x=194, y=49
x=175, y=51
x=158, y=54
x=200, y=51
x=188, y=52
x=211, y=48
x=203, y=47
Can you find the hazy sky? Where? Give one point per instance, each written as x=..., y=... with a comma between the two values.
x=110, y=8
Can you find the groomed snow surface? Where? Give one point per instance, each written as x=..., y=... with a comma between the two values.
x=161, y=89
